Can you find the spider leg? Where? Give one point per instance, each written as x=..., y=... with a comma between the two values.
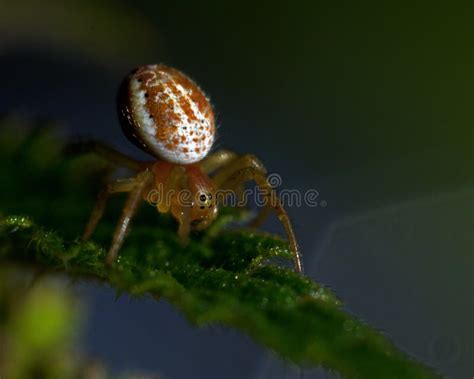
x=184, y=225
x=142, y=180
x=248, y=167
x=261, y=217
x=108, y=153
x=234, y=165
x=122, y=185
x=217, y=160
x=179, y=207
x=231, y=166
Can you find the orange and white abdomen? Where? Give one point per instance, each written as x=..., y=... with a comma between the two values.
x=167, y=114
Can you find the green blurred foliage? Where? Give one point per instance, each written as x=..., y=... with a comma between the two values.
x=39, y=323
x=230, y=277
x=36, y=327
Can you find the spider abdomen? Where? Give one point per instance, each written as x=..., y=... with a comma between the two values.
x=167, y=114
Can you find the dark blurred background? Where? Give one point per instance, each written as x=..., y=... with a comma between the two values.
x=369, y=103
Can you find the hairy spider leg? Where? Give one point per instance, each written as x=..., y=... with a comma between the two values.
x=249, y=167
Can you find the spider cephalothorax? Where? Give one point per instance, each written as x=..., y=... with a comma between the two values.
x=165, y=113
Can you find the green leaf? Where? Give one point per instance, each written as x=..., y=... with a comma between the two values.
x=230, y=276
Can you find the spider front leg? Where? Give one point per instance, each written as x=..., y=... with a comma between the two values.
x=135, y=186
x=121, y=185
x=135, y=196
x=230, y=163
x=213, y=163
x=249, y=167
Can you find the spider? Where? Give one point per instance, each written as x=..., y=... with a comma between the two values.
x=165, y=113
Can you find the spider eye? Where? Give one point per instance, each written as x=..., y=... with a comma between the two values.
x=202, y=197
